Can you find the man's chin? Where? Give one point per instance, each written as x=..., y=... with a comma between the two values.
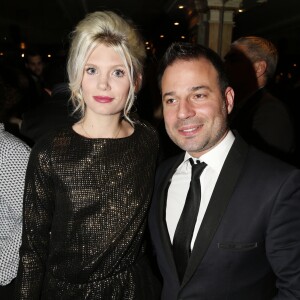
x=191, y=148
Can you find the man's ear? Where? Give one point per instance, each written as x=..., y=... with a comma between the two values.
x=138, y=83
x=260, y=68
x=229, y=99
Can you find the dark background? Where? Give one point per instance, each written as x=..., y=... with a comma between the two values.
x=46, y=25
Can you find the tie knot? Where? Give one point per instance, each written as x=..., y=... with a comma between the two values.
x=197, y=168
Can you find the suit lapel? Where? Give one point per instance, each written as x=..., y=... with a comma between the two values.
x=219, y=200
x=163, y=192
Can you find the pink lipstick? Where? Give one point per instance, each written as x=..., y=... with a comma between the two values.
x=103, y=99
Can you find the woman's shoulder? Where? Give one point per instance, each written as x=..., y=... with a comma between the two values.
x=48, y=141
x=146, y=128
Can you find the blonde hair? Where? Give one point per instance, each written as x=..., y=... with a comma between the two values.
x=105, y=27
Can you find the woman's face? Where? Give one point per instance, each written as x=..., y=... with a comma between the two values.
x=105, y=84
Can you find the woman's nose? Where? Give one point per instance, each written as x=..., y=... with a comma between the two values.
x=103, y=83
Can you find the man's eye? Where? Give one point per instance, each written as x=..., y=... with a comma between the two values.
x=119, y=73
x=199, y=96
x=91, y=71
x=170, y=101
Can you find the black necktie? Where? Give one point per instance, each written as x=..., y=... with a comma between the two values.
x=186, y=224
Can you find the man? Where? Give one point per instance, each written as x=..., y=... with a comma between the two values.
x=14, y=155
x=34, y=63
x=262, y=119
x=35, y=68
x=245, y=243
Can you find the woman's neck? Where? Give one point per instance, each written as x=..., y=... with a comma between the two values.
x=110, y=127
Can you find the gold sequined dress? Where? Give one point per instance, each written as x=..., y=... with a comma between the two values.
x=85, y=208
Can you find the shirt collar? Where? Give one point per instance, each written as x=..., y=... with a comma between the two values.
x=216, y=156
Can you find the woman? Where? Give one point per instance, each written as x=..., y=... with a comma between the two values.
x=88, y=187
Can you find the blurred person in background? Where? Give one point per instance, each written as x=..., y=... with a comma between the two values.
x=55, y=111
x=262, y=119
x=34, y=66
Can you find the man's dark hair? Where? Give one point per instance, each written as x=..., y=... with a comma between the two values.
x=32, y=52
x=187, y=52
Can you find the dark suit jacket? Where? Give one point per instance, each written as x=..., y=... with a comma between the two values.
x=248, y=245
x=265, y=122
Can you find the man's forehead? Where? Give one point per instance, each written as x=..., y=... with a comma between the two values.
x=35, y=58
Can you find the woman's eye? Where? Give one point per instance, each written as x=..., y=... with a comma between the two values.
x=119, y=73
x=91, y=70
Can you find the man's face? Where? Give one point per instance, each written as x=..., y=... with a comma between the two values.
x=195, y=111
x=35, y=65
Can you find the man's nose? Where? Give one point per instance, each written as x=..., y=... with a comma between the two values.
x=185, y=110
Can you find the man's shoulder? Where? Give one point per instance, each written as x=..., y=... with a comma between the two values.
x=267, y=100
x=166, y=165
x=256, y=159
x=267, y=168
x=9, y=142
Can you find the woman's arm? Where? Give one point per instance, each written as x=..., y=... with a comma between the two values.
x=37, y=217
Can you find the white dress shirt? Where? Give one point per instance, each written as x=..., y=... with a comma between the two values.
x=180, y=183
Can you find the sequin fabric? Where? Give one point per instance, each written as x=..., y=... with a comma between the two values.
x=85, y=208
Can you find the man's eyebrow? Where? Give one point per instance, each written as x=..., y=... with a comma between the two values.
x=168, y=94
x=192, y=89
x=199, y=87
